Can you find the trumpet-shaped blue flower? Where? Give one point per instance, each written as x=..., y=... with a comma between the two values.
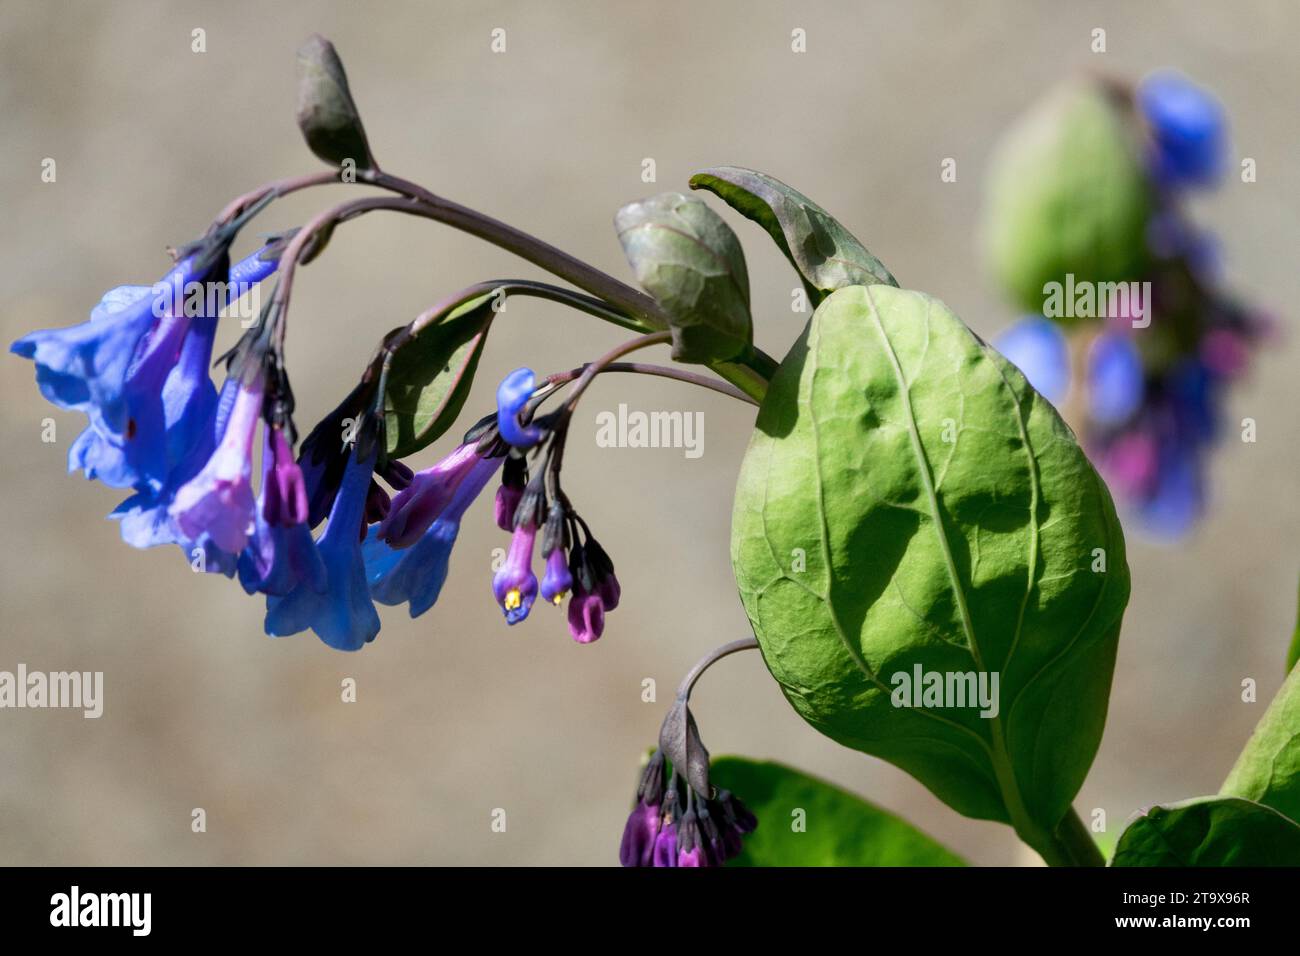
x=218, y=501
x=138, y=370
x=281, y=552
x=416, y=574
x=418, y=504
x=343, y=615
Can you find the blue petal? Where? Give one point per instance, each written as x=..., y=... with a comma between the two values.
x=1187, y=127
x=415, y=574
x=1038, y=348
x=343, y=616
x=512, y=394
x=1116, y=380
x=1178, y=499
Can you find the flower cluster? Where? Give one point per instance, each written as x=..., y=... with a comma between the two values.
x=328, y=531
x=156, y=424
x=1151, y=386
x=672, y=825
x=574, y=562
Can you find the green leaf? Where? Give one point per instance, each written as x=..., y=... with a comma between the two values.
x=907, y=500
x=1268, y=770
x=327, y=115
x=839, y=829
x=1293, y=654
x=691, y=262
x=1210, y=831
x=1067, y=194
x=826, y=255
x=431, y=376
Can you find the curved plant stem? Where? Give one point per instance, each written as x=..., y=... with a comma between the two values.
x=278, y=188
x=636, y=310
x=595, y=368
x=662, y=371
x=708, y=660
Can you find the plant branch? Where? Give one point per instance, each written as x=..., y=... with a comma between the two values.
x=708, y=660
x=662, y=371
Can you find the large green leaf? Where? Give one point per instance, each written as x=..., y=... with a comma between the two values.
x=690, y=261
x=1268, y=770
x=826, y=255
x=1210, y=831
x=1066, y=195
x=431, y=375
x=804, y=821
x=907, y=500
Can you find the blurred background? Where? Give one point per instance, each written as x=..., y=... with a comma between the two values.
x=456, y=714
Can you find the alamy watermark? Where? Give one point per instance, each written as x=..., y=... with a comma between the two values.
x=75, y=908
x=1098, y=300
x=637, y=429
x=236, y=300
x=940, y=689
x=77, y=690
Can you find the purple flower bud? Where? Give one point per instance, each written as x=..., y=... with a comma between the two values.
x=609, y=591
x=507, y=502
x=639, y=834
x=557, y=580
x=586, y=616
x=378, y=505
x=397, y=474
x=515, y=585
x=665, y=849
x=284, y=500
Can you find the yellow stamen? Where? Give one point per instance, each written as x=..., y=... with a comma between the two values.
x=513, y=599
x=558, y=599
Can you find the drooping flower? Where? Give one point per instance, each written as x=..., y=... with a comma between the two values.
x=325, y=452
x=281, y=552
x=672, y=825
x=557, y=580
x=512, y=395
x=595, y=590
x=418, y=505
x=343, y=615
x=118, y=368
x=218, y=501
x=139, y=372
x=416, y=574
x=515, y=584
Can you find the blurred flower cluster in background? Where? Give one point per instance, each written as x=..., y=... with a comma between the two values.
x=1132, y=335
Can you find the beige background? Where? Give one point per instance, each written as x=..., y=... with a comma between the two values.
x=457, y=714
